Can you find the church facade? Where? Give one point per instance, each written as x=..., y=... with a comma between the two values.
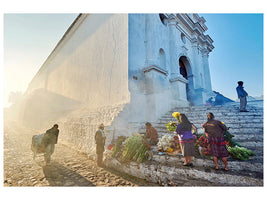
x=121, y=70
x=168, y=61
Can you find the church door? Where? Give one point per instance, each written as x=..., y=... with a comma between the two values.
x=185, y=71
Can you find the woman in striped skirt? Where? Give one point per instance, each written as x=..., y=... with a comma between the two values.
x=214, y=130
x=186, y=139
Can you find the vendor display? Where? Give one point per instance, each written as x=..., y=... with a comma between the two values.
x=167, y=143
x=133, y=148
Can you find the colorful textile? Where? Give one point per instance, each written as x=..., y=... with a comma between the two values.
x=184, y=136
x=186, y=140
x=214, y=128
x=188, y=148
x=218, y=147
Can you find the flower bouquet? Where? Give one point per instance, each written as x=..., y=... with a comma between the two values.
x=165, y=142
x=176, y=115
x=171, y=126
x=203, y=146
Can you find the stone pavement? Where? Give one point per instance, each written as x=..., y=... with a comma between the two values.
x=68, y=167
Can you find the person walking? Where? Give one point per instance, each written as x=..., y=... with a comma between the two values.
x=242, y=95
x=100, y=140
x=186, y=139
x=49, y=140
x=214, y=130
x=151, y=135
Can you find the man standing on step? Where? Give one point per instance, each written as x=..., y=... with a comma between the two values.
x=100, y=140
x=242, y=95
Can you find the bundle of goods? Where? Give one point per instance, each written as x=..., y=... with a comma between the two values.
x=235, y=150
x=132, y=148
x=117, y=149
x=38, y=145
x=240, y=153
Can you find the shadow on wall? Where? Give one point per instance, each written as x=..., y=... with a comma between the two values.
x=41, y=109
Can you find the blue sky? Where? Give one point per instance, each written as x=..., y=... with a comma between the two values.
x=28, y=41
x=238, y=53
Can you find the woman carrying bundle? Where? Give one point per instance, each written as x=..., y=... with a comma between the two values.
x=214, y=130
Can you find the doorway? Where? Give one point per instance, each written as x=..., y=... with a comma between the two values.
x=186, y=71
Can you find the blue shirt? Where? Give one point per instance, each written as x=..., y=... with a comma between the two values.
x=241, y=92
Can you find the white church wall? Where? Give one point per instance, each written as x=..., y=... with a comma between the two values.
x=91, y=64
x=148, y=52
x=122, y=70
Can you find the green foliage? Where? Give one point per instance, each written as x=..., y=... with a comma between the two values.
x=134, y=150
x=228, y=138
x=240, y=153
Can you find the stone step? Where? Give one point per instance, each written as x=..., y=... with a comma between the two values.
x=169, y=169
x=220, y=117
x=235, y=124
x=232, y=130
x=218, y=107
x=219, y=113
x=227, y=121
x=219, y=110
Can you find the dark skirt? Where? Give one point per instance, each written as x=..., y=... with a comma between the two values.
x=188, y=147
x=218, y=147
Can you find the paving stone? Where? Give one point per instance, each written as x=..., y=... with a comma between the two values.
x=69, y=167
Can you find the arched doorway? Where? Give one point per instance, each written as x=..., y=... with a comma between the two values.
x=186, y=71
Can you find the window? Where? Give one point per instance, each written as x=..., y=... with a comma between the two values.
x=163, y=19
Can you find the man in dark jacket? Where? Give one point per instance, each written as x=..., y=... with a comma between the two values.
x=100, y=140
x=49, y=141
x=242, y=95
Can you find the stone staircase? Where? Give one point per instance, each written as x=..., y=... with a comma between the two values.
x=168, y=170
x=247, y=127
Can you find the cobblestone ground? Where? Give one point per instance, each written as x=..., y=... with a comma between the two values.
x=68, y=167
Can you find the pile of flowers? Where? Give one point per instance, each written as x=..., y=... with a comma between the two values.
x=176, y=115
x=171, y=126
x=165, y=142
x=169, y=143
x=203, y=145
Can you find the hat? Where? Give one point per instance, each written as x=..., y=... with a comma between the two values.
x=101, y=126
